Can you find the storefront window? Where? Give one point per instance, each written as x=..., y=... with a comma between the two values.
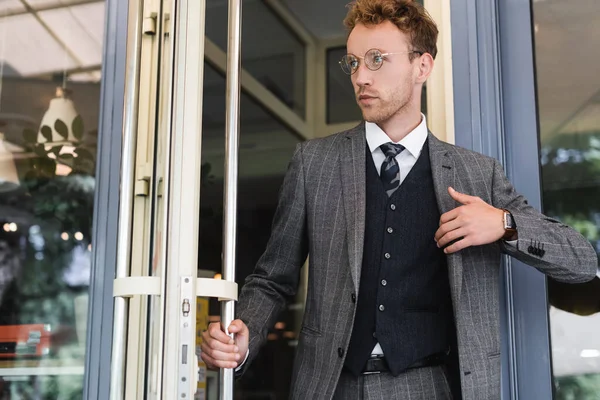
x=569, y=119
x=50, y=62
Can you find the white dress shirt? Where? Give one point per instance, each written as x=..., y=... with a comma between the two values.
x=413, y=143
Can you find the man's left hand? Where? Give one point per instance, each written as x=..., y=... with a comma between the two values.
x=472, y=224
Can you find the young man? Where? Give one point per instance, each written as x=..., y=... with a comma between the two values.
x=405, y=235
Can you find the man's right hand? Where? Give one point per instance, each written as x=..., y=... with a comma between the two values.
x=219, y=350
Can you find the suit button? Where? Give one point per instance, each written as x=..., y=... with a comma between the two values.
x=382, y=308
x=390, y=230
x=387, y=256
x=353, y=298
x=340, y=352
x=393, y=207
x=375, y=334
x=383, y=282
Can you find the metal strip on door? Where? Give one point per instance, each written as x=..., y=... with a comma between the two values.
x=232, y=133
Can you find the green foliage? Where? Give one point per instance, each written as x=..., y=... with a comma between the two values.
x=571, y=183
x=578, y=387
x=48, y=205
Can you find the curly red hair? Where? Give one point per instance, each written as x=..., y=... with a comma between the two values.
x=409, y=16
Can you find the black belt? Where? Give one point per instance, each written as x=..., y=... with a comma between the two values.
x=376, y=364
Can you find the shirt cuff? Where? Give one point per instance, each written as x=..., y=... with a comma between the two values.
x=512, y=243
x=243, y=362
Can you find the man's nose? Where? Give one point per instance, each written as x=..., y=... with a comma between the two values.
x=363, y=76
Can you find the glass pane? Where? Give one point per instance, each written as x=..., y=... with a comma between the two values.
x=270, y=50
x=569, y=119
x=266, y=147
x=48, y=136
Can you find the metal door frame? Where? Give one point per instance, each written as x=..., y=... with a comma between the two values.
x=106, y=203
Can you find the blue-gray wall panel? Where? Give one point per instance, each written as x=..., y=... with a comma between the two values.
x=495, y=114
x=530, y=304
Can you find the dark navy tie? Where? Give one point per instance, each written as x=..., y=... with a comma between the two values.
x=390, y=171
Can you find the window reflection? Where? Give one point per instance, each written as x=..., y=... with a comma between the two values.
x=49, y=103
x=271, y=52
x=341, y=102
x=569, y=119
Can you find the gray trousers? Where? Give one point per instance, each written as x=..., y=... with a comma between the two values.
x=429, y=383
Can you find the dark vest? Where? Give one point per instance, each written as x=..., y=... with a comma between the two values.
x=404, y=297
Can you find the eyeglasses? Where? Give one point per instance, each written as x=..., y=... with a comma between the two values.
x=373, y=60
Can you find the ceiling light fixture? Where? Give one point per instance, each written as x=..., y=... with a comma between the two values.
x=590, y=353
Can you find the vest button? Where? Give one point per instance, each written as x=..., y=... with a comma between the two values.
x=393, y=207
x=340, y=352
x=353, y=298
x=383, y=282
x=381, y=308
x=387, y=256
x=390, y=230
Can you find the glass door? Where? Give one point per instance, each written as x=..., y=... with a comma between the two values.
x=158, y=316
x=191, y=94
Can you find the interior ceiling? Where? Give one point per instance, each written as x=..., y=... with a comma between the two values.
x=45, y=37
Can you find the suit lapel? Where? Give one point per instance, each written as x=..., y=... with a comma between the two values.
x=354, y=186
x=444, y=172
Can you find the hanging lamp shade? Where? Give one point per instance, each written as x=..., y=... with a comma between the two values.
x=60, y=122
x=9, y=180
x=61, y=127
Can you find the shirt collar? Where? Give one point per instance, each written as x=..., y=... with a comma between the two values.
x=413, y=142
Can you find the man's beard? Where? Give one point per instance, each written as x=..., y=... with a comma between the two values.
x=379, y=114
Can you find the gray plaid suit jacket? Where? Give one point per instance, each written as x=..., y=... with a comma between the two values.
x=321, y=213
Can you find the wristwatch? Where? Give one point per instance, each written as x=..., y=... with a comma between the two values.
x=510, y=226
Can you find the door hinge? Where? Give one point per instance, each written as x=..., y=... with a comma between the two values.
x=150, y=16
x=144, y=177
x=149, y=25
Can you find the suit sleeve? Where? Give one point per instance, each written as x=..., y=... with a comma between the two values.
x=552, y=247
x=277, y=274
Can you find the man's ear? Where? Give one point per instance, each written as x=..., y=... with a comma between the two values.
x=426, y=64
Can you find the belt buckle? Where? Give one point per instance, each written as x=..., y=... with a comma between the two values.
x=371, y=373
